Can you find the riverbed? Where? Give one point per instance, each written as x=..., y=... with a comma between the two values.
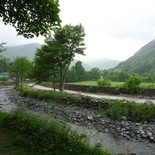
x=9, y=99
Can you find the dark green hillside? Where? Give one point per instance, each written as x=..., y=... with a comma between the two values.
x=142, y=62
x=23, y=50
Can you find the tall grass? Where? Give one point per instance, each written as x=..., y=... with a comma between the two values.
x=137, y=112
x=47, y=137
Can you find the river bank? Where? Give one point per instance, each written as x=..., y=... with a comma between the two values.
x=99, y=129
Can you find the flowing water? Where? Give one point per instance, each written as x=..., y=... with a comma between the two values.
x=116, y=145
x=5, y=104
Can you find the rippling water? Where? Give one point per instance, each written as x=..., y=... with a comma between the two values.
x=5, y=104
x=116, y=145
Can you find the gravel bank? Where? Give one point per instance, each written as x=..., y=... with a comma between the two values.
x=129, y=134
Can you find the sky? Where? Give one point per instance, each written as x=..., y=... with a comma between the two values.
x=115, y=29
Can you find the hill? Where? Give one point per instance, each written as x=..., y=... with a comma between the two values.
x=30, y=49
x=101, y=63
x=22, y=50
x=141, y=62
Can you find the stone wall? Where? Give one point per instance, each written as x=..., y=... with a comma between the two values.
x=104, y=90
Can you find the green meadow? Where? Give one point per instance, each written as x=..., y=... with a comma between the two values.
x=113, y=84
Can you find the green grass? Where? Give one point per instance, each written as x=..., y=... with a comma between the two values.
x=114, y=84
x=119, y=108
x=22, y=130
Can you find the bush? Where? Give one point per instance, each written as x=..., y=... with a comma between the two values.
x=103, y=83
x=131, y=86
x=3, y=78
x=48, y=136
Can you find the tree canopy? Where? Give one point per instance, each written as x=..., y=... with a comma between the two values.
x=20, y=68
x=30, y=17
x=58, y=52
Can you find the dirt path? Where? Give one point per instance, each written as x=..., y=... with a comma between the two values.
x=101, y=96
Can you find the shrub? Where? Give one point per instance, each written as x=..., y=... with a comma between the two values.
x=47, y=136
x=3, y=78
x=131, y=86
x=103, y=83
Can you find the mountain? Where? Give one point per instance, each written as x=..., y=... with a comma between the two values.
x=30, y=49
x=101, y=63
x=86, y=66
x=22, y=50
x=143, y=61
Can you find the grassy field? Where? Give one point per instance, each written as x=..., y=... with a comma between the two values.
x=94, y=83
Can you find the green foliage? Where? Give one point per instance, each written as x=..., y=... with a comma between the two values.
x=103, y=83
x=44, y=95
x=3, y=78
x=30, y=17
x=2, y=49
x=47, y=136
x=142, y=62
x=132, y=85
x=76, y=73
x=138, y=112
x=20, y=68
x=56, y=55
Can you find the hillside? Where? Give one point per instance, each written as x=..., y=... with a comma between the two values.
x=22, y=50
x=141, y=62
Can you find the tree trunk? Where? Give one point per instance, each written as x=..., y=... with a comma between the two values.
x=21, y=80
x=61, y=89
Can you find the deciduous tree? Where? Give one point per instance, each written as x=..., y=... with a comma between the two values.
x=30, y=17
x=20, y=68
x=71, y=39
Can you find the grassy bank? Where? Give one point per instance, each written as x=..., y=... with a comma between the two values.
x=116, y=108
x=35, y=135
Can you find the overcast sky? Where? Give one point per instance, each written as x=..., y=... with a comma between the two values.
x=114, y=28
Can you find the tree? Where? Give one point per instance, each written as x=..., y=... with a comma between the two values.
x=131, y=85
x=76, y=73
x=20, y=68
x=95, y=74
x=45, y=63
x=71, y=41
x=30, y=17
x=56, y=55
x=2, y=49
x=4, y=64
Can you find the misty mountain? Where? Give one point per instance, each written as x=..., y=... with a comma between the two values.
x=29, y=50
x=143, y=61
x=22, y=50
x=102, y=63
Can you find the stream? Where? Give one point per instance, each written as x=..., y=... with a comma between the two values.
x=114, y=145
